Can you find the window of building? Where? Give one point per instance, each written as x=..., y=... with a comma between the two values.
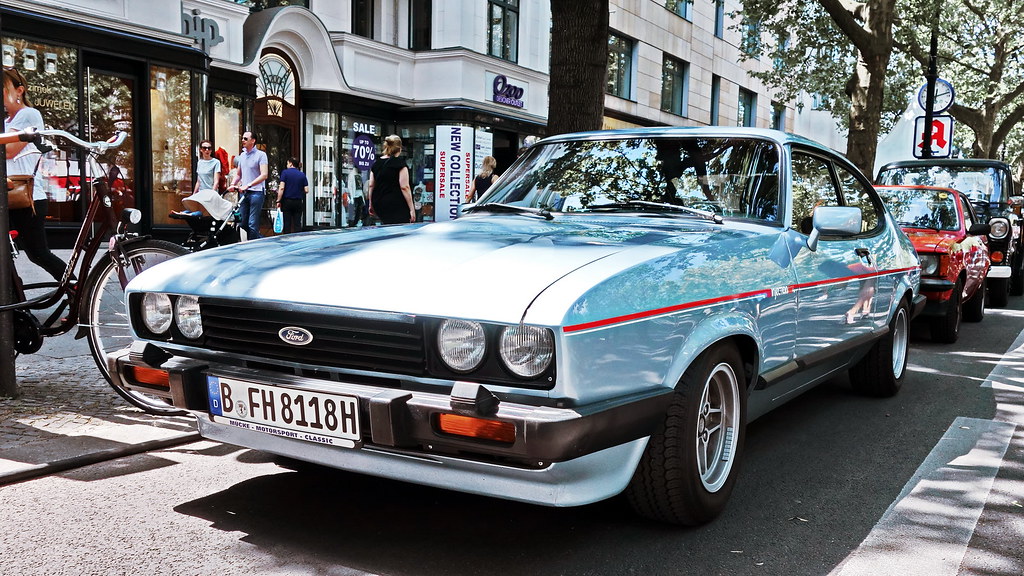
x=53, y=81
x=275, y=84
x=620, y=66
x=719, y=18
x=778, y=116
x=503, y=29
x=751, y=41
x=746, y=114
x=362, y=18
x=716, y=97
x=170, y=101
x=675, y=81
x=680, y=7
x=328, y=208
x=420, y=20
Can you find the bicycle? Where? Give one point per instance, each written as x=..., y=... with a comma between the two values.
x=95, y=302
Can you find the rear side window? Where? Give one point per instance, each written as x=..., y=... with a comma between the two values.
x=857, y=194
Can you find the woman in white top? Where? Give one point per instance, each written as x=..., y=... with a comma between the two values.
x=205, y=198
x=22, y=158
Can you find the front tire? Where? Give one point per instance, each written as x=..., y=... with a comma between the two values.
x=880, y=373
x=690, y=465
x=106, y=321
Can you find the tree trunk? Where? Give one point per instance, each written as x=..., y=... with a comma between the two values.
x=579, y=65
x=866, y=112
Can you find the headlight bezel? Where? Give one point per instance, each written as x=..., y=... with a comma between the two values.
x=931, y=264
x=156, y=313
x=999, y=228
x=493, y=369
x=189, y=322
x=541, y=349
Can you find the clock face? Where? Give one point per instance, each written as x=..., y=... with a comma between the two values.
x=943, y=95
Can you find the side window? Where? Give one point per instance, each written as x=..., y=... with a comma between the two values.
x=968, y=214
x=812, y=187
x=856, y=194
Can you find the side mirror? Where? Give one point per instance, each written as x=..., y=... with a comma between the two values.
x=834, y=221
x=979, y=229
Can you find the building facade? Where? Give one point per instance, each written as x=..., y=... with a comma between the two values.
x=327, y=80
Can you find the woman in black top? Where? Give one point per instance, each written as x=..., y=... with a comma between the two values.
x=484, y=179
x=389, y=193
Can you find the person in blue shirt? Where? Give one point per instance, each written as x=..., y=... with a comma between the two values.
x=252, y=171
x=291, y=193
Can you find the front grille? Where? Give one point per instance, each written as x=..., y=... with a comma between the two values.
x=343, y=340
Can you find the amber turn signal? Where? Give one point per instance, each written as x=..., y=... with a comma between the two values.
x=494, y=430
x=150, y=376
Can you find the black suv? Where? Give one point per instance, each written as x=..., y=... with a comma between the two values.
x=989, y=186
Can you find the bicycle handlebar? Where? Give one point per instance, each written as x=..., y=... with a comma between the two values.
x=36, y=136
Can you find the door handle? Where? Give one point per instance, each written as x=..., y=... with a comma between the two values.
x=864, y=253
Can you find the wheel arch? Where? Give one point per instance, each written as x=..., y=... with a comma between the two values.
x=736, y=329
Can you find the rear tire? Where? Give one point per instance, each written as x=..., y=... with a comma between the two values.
x=689, y=467
x=946, y=328
x=880, y=373
x=974, y=309
x=106, y=320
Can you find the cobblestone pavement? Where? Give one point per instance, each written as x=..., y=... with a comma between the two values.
x=66, y=413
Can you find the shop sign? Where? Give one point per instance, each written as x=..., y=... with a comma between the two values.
x=453, y=169
x=205, y=31
x=363, y=152
x=504, y=91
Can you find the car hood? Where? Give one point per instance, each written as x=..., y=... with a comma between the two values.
x=488, y=268
x=931, y=241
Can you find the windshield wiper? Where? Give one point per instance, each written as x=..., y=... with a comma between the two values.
x=509, y=208
x=657, y=207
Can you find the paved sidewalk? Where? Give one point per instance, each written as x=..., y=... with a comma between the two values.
x=66, y=415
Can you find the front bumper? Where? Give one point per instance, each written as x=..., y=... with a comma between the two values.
x=561, y=456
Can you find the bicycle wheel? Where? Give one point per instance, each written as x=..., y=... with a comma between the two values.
x=106, y=320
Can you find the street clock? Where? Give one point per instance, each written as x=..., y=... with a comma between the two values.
x=943, y=96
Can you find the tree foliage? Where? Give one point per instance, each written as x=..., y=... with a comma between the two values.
x=981, y=50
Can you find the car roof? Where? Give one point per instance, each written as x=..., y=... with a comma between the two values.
x=982, y=162
x=777, y=136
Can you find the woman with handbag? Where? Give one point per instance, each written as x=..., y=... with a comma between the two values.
x=23, y=159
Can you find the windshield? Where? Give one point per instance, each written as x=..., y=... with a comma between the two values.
x=915, y=208
x=731, y=177
x=979, y=183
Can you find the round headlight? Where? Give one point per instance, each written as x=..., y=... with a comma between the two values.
x=999, y=228
x=156, y=312
x=461, y=344
x=929, y=264
x=526, y=350
x=187, y=317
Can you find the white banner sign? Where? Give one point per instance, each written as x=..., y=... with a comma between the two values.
x=453, y=170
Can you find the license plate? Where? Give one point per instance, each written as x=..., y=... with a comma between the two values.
x=331, y=419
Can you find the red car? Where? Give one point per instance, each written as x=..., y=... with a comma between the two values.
x=953, y=247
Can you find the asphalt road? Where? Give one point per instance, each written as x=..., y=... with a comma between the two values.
x=929, y=482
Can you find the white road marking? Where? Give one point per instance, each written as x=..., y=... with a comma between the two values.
x=929, y=526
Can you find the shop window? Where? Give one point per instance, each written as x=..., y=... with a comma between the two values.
x=360, y=144
x=680, y=7
x=503, y=29
x=746, y=108
x=716, y=98
x=53, y=82
x=420, y=149
x=674, y=85
x=228, y=124
x=420, y=20
x=329, y=204
x=620, y=66
x=362, y=18
x=170, y=98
